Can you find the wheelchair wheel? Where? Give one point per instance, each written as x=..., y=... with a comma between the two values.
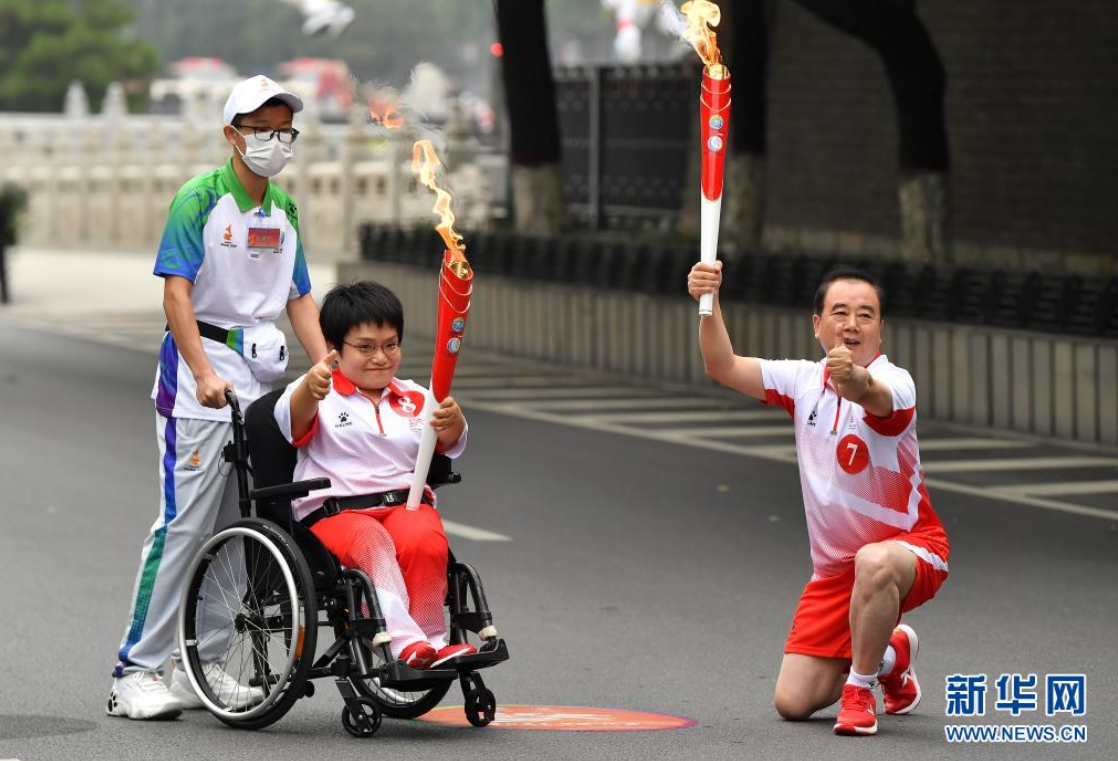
x=481, y=703
x=247, y=624
x=362, y=727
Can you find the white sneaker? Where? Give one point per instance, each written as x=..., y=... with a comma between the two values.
x=142, y=695
x=233, y=694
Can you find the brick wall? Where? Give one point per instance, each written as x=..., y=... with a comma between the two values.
x=1032, y=109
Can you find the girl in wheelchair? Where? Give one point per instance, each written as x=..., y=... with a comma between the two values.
x=359, y=425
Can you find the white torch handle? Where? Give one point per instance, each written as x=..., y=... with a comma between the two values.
x=426, y=452
x=710, y=211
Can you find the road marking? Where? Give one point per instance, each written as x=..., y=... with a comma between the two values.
x=564, y=719
x=733, y=432
x=693, y=417
x=1023, y=463
x=472, y=532
x=1021, y=499
x=946, y=445
x=1047, y=490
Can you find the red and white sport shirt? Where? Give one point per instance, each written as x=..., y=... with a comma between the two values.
x=861, y=474
x=362, y=446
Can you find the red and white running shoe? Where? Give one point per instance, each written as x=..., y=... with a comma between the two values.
x=453, y=652
x=419, y=655
x=858, y=713
x=900, y=686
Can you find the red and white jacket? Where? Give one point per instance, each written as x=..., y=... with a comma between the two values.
x=861, y=475
x=363, y=447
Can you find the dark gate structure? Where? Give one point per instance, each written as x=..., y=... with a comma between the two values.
x=627, y=134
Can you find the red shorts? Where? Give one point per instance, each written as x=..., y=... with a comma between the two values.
x=821, y=624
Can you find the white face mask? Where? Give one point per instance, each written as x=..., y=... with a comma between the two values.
x=266, y=158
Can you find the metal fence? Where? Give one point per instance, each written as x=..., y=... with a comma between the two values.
x=626, y=135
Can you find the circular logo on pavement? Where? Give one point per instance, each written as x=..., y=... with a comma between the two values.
x=715, y=143
x=564, y=719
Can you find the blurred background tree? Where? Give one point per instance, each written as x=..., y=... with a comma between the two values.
x=46, y=44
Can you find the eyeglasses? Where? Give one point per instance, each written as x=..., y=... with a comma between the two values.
x=370, y=350
x=285, y=136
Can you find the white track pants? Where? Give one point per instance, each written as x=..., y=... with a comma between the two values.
x=198, y=496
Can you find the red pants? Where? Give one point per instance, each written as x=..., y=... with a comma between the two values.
x=404, y=552
x=821, y=624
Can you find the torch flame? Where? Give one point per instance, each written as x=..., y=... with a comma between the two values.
x=386, y=116
x=701, y=16
x=425, y=163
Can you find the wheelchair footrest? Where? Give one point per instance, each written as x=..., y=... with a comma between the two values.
x=484, y=658
x=399, y=676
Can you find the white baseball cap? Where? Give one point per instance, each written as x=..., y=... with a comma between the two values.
x=254, y=92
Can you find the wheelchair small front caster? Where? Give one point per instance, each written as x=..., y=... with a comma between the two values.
x=364, y=725
x=481, y=703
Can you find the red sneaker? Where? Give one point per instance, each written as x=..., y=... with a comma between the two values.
x=900, y=686
x=453, y=652
x=418, y=655
x=858, y=715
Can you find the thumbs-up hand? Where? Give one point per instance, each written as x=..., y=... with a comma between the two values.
x=840, y=360
x=319, y=377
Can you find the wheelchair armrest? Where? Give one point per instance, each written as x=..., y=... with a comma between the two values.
x=454, y=477
x=440, y=473
x=292, y=491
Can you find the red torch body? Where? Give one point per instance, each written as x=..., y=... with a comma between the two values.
x=714, y=112
x=455, y=288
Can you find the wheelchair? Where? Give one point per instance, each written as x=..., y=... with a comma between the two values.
x=260, y=590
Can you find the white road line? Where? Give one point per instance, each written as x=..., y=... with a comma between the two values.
x=946, y=445
x=472, y=532
x=1069, y=487
x=731, y=432
x=693, y=417
x=778, y=453
x=1021, y=499
x=1023, y=463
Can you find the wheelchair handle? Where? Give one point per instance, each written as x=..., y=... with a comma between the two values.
x=231, y=398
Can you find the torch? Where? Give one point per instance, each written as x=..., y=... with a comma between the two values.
x=714, y=115
x=455, y=288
